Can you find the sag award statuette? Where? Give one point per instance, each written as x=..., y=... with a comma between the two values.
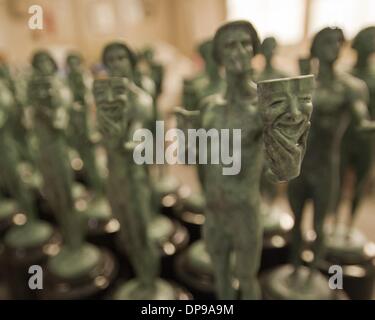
x=285, y=107
x=122, y=109
x=27, y=240
x=337, y=98
x=278, y=123
x=79, y=269
x=120, y=61
x=347, y=246
x=273, y=96
x=206, y=83
x=78, y=130
x=268, y=49
x=165, y=185
x=102, y=227
x=344, y=245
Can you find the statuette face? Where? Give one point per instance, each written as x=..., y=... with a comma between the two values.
x=119, y=112
x=327, y=44
x=119, y=60
x=268, y=47
x=110, y=92
x=111, y=101
x=44, y=64
x=338, y=98
x=234, y=48
x=237, y=50
x=74, y=62
x=286, y=109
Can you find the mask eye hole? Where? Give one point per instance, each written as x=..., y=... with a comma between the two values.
x=305, y=99
x=277, y=101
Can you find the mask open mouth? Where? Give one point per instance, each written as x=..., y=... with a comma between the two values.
x=117, y=106
x=291, y=130
x=285, y=147
x=111, y=105
x=286, y=130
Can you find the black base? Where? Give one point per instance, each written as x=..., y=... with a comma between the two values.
x=179, y=239
x=278, y=284
x=17, y=263
x=180, y=292
x=177, y=242
x=200, y=284
x=103, y=233
x=275, y=251
x=193, y=222
x=358, y=274
x=358, y=279
x=95, y=285
x=5, y=224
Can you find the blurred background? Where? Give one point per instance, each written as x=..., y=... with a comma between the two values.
x=88, y=24
x=173, y=28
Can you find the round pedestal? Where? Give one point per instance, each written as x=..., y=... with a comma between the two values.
x=102, y=226
x=170, y=236
x=191, y=213
x=163, y=290
x=356, y=255
x=282, y=283
x=348, y=246
x=277, y=226
x=276, y=221
x=88, y=279
x=27, y=245
x=194, y=269
x=166, y=190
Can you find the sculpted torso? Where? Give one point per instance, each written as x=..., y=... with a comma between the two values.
x=229, y=192
x=369, y=78
x=330, y=118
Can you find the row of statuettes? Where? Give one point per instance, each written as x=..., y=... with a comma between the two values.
x=293, y=129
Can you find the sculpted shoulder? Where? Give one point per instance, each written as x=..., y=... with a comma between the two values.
x=141, y=101
x=355, y=87
x=210, y=107
x=148, y=85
